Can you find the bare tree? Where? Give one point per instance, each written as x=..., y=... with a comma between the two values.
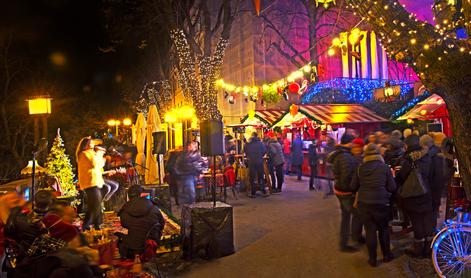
x=201, y=37
x=14, y=147
x=439, y=56
x=320, y=24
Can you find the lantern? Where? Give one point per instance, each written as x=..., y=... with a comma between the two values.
x=293, y=110
x=324, y=2
x=40, y=105
x=293, y=88
x=251, y=114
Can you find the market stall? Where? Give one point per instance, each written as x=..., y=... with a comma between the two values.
x=324, y=121
x=429, y=115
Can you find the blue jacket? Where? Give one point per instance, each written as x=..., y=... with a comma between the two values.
x=297, y=156
x=255, y=150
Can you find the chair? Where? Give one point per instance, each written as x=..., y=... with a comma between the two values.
x=229, y=181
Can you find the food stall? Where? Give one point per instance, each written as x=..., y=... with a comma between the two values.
x=258, y=120
x=429, y=115
x=324, y=121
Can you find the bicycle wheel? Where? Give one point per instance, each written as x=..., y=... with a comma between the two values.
x=451, y=252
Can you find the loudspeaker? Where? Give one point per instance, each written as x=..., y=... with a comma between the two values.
x=207, y=230
x=160, y=142
x=212, y=137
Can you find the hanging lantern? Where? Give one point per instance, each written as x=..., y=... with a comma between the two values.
x=324, y=2
x=293, y=110
x=303, y=87
x=285, y=95
x=232, y=98
x=251, y=114
x=293, y=88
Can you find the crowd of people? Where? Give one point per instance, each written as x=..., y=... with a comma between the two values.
x=43, y=237
x=393, y=173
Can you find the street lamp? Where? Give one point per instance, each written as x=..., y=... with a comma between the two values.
x=39, y=107
x=116, y=124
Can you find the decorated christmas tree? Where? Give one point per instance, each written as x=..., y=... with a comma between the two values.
x=58, y=165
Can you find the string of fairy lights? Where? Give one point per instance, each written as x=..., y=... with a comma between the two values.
x=158, y=93
x=202, y=91
x=420, y=37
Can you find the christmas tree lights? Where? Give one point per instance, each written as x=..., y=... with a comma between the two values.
x=58, y=165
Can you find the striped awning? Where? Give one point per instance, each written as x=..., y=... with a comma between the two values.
x=340, y=113
x=267, y=117
x=432, y=107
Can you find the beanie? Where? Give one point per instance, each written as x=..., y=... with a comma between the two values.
x=426, y=141
x=407, y=132
x=135, y=191
x=346, y=139
x=438, y=138
x=396, y=134
x=372, y=149
x=358, y=141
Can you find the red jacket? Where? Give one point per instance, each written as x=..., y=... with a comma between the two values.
x=286, y=146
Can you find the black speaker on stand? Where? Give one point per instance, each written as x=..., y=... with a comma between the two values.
x=212, y=144
x=209, y=226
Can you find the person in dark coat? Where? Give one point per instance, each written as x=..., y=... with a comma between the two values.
x=275, y=152
x=343, y=167
x=255, y=151
x=438, y=178
x=418, y=208
x=374, y=183
x=313, y=160
x=297, y=156
x=189, y=166
x=143, y=220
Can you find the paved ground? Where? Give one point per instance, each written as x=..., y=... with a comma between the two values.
x=295, y=234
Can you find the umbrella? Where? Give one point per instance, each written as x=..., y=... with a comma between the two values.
x=140, y=128
x=153, y=124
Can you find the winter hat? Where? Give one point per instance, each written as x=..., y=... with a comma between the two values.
x=412, y=141
x=135, y=191
x=346, y=139
x=416, y=132
x=407, y=132
x=59, y=229
x=397, y=134
x=426, y=141
x=438, y=138
x=358, y=141
x=372, y=149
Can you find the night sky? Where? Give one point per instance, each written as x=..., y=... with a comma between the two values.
x=63, y=38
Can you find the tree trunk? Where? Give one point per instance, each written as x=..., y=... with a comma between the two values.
x=459, y=108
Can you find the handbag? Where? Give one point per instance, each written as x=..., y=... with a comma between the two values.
x=414, y=185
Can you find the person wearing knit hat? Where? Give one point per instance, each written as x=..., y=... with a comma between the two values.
x=374, y=184
x=426, y=141
x=357, y=148
x=343, y=167
x=438, y=138
x=397, y=134
x=407, y=132
x=372, y=149
x=418, y=208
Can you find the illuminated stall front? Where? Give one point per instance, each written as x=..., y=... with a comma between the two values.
x=429, y=115
x=321, y=121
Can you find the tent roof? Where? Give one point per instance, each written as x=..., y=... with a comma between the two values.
x=267, y=117
x=430, y=105
x=340, y=113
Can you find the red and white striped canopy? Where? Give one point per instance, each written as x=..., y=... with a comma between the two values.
x=267, y=117
x=340, y=113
